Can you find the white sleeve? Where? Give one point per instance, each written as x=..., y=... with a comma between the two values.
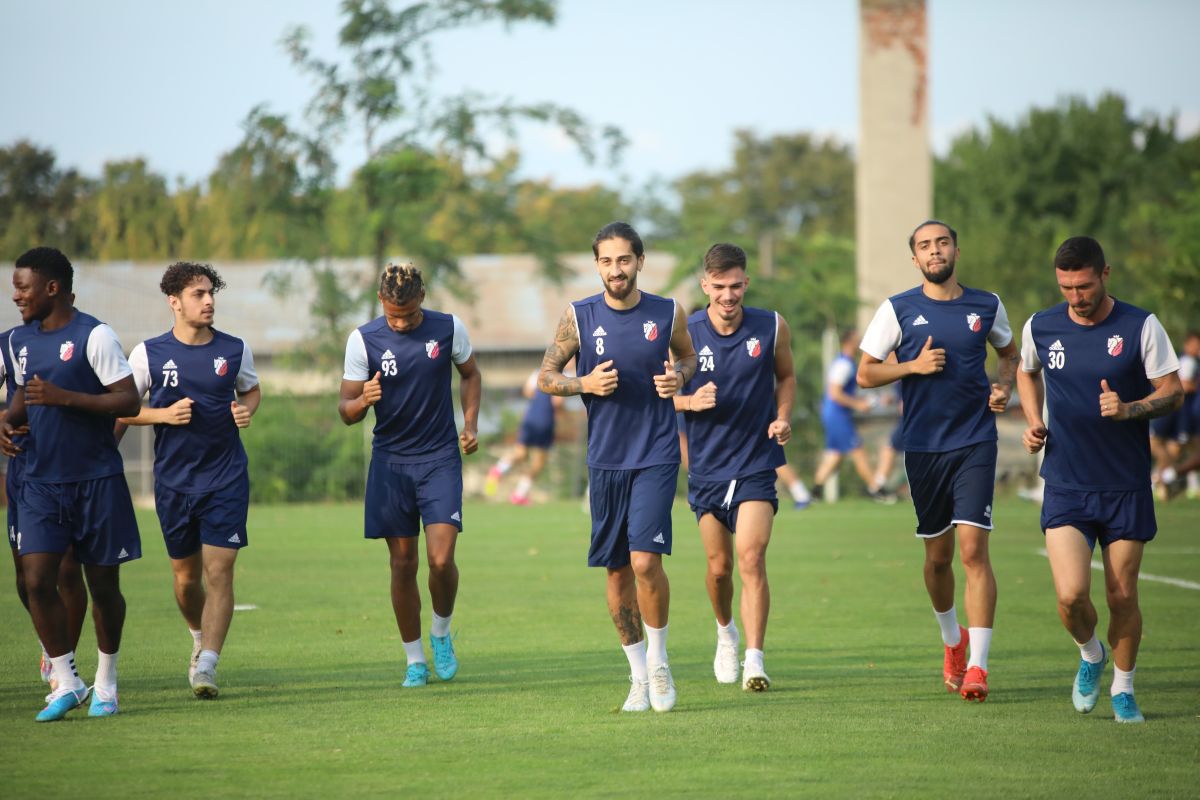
x=1001, y=333
x=105, y=355
x=1158, y=356
x=460, y=350
x=3, y=370
x=139, y=362
x=883, y=334
x=247, y=378
x=839, y=372
x=18, y=375
x=1029, y=357
x=1187, y=368
x=356, y=358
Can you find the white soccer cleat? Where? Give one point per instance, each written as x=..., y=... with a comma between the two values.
x=754, y=678
x=662, y=688
x=639, y=696
x=192, y=664
x=204, y=684
x=725, y=663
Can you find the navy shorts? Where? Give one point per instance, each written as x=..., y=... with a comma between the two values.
x=540, y=436
x=631, y=510
x=12, y=488
x=1101, y=516
x=1172, y=427
x=401, y=498
x=897, y=438
x=723, y=498
x=95, y=517
x=216, y=518
x=953, y=487
x=840, y=434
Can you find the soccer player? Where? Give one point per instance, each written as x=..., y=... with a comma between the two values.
x=399, y=364
x=203, y=390
x=939, y=332
x=534, y=440
x=1107, y=368
x=73, y=380
x=737, y=408
x=624, y=339
x=70, y=577
x=1186, y=427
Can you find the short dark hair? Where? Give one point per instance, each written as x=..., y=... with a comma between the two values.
x=1080, y=252
x=51, y=264
x=181, y=274
x=401, y=283
x=618, y=230
x=723, y=256
x=912, y=237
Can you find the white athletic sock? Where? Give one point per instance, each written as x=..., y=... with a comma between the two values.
x=414, y=652
x=65, y=674
x=656, y=645
x=948, y=622
x=880, y=479
x=45, y=655
x=106, y=672
x=799, y=492
x=1168, y=475
x=1122, y=681
x=440, y=626
x=1091, y=651
x=208, y=660
x=728, y=633
x=636, y=653
x=981, y=641
x=523, y=486
x=754, y=657
x=503, y=466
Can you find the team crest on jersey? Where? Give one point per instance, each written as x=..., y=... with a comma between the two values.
x=974, y=323
x=754, y=347
x=220, y=366
x=1115, y=345
x=651, y=330
x=431, y=348
x=66, y=350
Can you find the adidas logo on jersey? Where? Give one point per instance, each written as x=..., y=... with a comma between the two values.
x=1056, y=346
x=387, y=354
x=658, y=538
x=600, y=331
x=705, y=351
x=235, y=539
x=24, y=352
x=920, y=320
x=170, y=364
x=456, y=516
x=123, y=554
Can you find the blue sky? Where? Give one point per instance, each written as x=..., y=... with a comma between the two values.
x=172, y=81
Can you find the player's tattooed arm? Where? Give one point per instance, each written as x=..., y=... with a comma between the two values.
x=629, y=624
x=551, y=379
x=1006, y=373
x=1166, y=398
x=682, y=348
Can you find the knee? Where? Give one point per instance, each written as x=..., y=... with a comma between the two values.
x=1073, y=602
x=720, y=567
x=38, y=585
x=939, y=562
x=441, y=563
x=646, y=566
x=752, y=564
x=974, y=557
x=403, y=566
x=1122, y=599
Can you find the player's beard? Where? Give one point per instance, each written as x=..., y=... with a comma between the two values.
x=624, y=291
x=940, y=274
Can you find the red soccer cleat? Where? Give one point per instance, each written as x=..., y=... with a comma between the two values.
x=975, y=685
x=954, y=665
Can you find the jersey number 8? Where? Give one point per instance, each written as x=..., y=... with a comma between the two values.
x=599, y=347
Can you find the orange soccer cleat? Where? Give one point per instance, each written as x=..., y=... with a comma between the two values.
x=975, y=685
x=954, y=665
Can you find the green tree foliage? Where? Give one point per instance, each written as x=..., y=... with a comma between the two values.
x=40, y=203
x=135, y=217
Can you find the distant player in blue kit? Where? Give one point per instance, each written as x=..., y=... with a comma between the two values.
x=73, y=381
x=737, y=408
x=203, y=390
x=1107, y=368
x=399, y=364
x=534, y=440
x=939, y=332
x=624, y=339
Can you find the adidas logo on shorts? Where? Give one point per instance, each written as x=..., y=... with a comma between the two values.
x=658, y=538
x=235, y=539
x=456, y=516
x=123, y=554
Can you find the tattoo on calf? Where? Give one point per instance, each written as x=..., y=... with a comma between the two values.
x=629, y=624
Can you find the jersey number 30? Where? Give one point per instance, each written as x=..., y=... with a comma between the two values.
x=1056, y=359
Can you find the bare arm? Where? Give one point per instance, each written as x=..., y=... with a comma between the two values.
x=1010, y=358
x=178, y=413
x=356, y=397
x=245, y=406
x=551, y=379
x=681, y=347
x=873, y=373
x=120, y=399
x=1033, y=397
x=470, y=390
x=1166, y=398
x=780, y=428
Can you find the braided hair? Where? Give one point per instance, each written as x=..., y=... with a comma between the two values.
x=401, y=283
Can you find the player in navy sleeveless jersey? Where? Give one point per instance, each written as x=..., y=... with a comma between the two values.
x=73, y=380
x=70, y=576
x=624, y=339
x=534, y=440
x=737, y=409
x=1106, y=369
x=939, y=332
x=203, y=391
x=399, y=365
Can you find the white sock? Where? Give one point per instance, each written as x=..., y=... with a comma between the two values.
x=728, y=634
x=440, y=626
x=65, y=674
x=106, y=672
x=195, y=636
x=880, y=479
x=1168, y=475
x=981, y=641
x=636, y=653
x=799, y=492
x=1091, y=651
x=523, y=486
x=414, y=652
x=208, y=660
x=503, y=466
x=948, y=622
x=656, y=645
x=45, y=655
x=754, y=656
x=1122, y=681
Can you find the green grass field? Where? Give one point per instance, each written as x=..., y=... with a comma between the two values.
x=311, y=704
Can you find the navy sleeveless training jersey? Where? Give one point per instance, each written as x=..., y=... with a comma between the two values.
x=947, y=410
x=207, y=453
x=1085, y=451
x=632, y=427
x=730, y=441
x=414, y=420
x=67, y=445
x=10, y=386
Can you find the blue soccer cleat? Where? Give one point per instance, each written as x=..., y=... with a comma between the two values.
x=416, y=675
x=102, y=708
x=1086, y=690
x=1125, y=708
x=57, y=707
x=444, y=662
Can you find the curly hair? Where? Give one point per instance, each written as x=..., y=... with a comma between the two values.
x=180, y=275
x=50, y=263
x=401, y=283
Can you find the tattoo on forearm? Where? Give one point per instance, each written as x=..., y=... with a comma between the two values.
x=686, y=367
x=1007, y=373
x=561, y=350
x=629, y=624
x=1153, y=407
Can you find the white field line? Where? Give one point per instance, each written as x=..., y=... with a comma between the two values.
x=1146, y=576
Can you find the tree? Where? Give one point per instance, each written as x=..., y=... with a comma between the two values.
x=135, y=218
x=42, y=204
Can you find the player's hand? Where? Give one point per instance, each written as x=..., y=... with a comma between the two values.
x=601, y=381
x=930, y=360
x=372, y=390
x=669, y=383
x=1110, y=404
x=43, y=393
x=179, y=412
x=998, y=401
x=6, y=443
x=241, y=414
x=780, y=430
x=704, y=398
x=1034, y=438
x=469, y=440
